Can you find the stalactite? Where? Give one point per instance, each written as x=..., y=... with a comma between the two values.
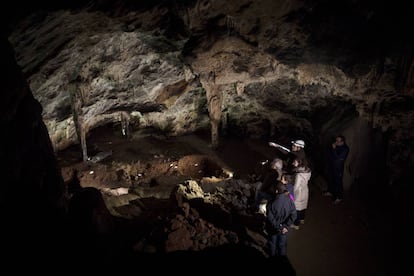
x=214, y=101
x=405, y=75
x=409, y=81
x=124, y=117
x=230, y=24
x=76, y=103
x=240, y=88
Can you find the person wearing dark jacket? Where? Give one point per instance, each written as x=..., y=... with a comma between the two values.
x=280, y=215
x=266, y=189
x=337, y=155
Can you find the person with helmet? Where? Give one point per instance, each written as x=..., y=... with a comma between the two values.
x=296, y=151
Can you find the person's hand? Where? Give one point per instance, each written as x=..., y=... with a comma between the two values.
x=273, y=144
x=333, y=145
x=284, y=230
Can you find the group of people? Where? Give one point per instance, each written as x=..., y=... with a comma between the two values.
x=283, y=194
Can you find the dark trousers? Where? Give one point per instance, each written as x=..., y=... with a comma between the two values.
x=335, y=184
x=278, y=244
x=300, y=216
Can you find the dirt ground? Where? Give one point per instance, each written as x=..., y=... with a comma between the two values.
x=335, y=240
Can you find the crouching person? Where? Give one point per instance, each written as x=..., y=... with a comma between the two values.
x=280, y=215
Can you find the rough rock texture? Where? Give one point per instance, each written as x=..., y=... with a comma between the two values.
x=112, y=70
x=284, y=69
x=33, y=199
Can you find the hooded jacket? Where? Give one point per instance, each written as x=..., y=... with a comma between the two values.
x=300, y=187
x=281, y=213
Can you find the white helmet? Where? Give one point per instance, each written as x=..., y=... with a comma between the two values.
x=299, y=143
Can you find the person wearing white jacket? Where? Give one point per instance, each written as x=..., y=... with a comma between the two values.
x=300, y=190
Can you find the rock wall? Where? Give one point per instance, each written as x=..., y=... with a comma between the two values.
x=32, y=195
x=285, y=69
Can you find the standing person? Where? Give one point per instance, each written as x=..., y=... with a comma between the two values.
x=265, y=190
x=337, y=154
x=286, y=180
x=281, y=213
x=301, y=190
x=297, y=151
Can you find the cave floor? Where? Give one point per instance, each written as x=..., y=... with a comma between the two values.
x=335, y=239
